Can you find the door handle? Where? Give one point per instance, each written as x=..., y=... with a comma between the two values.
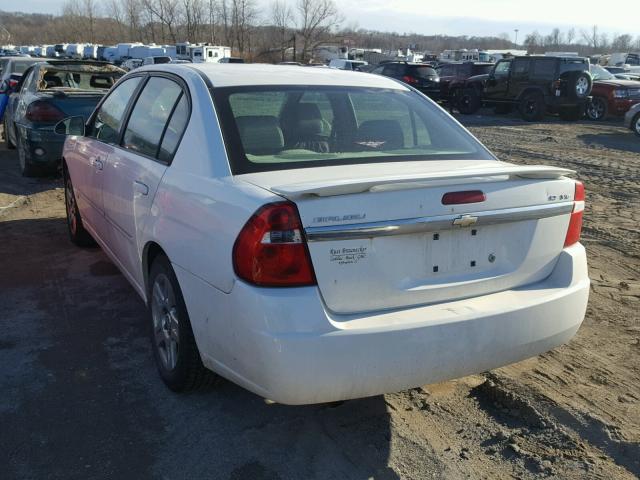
x=141, y=188
x=97, y=163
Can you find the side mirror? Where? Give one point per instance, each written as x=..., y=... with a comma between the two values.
x=70, y=126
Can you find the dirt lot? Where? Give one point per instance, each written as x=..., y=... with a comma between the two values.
x=81, y=398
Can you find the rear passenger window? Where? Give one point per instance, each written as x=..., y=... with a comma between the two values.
x=150, y=115
x=543, y=68
x=175, y=128
x=520, y=67
x=106, y=124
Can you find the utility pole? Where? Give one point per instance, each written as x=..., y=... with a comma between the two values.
x=516, y=30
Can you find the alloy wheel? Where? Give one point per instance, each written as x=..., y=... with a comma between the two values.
x=636, y=125
x=582, y=86
x=164, y=314
x=595, y=110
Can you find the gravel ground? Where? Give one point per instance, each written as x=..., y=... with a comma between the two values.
x=81, y=398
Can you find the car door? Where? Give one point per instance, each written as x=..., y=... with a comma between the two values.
x=497, y=84
x=92, y=152
x=135, y=168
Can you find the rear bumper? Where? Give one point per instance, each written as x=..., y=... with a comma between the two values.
x=282, y=343
x=43, y=146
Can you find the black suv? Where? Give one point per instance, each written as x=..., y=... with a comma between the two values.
x=535, y=84
x=420, y=76
x=453, y=76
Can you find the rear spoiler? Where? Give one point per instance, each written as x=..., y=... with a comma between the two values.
x=396, y=182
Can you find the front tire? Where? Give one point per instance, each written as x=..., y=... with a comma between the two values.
x=468, y=101
x=532, y=107
x=7, y=141
x=597, y=109
x=77, y=233
x=174, y=346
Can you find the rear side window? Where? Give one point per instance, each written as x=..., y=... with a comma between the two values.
x=108, y=119
x=543, y=68
x=520, y=67
x=175, y=129
x=481, y=69
x=150, y=116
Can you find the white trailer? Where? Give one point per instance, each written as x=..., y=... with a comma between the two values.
x=208, y=53
x=90, y=52
x=110, y=54
x=75, y=50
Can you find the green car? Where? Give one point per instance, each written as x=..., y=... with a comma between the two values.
x=49, y=92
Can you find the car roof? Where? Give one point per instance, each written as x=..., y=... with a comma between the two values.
x=253, y=74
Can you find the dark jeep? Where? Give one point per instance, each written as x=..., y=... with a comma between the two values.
x=534, y=84
x=453, y=75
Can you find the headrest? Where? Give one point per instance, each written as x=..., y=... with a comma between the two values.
x=381, y=135
x=309, y=119
x=260, y=134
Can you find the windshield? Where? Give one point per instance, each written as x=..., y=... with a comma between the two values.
x=599, y=73
x=89, y=79
x=277, y=128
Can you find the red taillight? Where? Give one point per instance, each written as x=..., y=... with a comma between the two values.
x=41, y=111
x=575, y=222
x=270, y=250
x=410, y=79
x=13, y=83
x=469, y=196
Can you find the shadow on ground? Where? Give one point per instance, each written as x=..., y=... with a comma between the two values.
x=81, y=397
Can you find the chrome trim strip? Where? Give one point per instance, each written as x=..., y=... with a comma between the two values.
x=434, y=224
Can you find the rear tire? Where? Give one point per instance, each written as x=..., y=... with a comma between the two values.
x=532, y=107
x=7, y=141
x=597, y=109
x=77, y=233
x=174, y=346
x=468, y=101
x=27, y=168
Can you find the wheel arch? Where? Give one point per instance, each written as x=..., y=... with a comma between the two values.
x=150, y=252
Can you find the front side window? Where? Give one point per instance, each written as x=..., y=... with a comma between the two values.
x=276, y=128
x=108, y=118
x=502, y=68
x=150, y=115
x=599, y=73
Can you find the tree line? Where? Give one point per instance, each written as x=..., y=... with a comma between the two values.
x=262, y=34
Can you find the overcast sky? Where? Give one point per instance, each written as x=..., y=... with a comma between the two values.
x=460, y=17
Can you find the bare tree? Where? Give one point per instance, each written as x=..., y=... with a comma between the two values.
x=316, y=20
x=622, y=43
x=571, y=35
x=282, y=19
x=168, y=15
x=193, y=17
x=591, y=37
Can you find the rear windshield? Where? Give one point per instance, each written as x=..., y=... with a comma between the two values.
x=278, y=128
x=80, y=80
x=20, y=67
x=424, y=72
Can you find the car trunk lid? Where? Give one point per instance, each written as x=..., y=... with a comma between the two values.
x=379, y=241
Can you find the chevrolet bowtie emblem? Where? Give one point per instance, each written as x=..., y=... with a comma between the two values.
x=465, y=220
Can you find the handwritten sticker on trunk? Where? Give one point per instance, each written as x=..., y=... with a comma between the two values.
x=347, y=256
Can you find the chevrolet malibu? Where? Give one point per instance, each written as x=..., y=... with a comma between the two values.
x=317, y=235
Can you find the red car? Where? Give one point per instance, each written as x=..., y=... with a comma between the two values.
x=611, y=96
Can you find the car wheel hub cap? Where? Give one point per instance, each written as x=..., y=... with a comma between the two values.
x=165, y=321
x=581, y=86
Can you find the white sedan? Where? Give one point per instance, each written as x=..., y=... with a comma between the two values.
x=317, y=235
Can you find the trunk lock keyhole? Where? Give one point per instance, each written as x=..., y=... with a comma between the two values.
x=492, y=258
